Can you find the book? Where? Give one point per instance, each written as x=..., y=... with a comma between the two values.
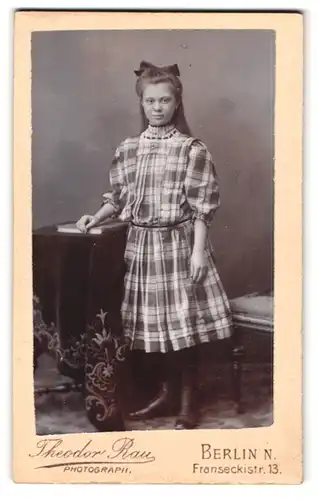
x=71, y=228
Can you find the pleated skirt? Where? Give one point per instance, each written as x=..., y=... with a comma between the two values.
x=163, y=309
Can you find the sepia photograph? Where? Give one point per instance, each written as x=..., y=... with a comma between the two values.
x=152, y=229
x=157, y=252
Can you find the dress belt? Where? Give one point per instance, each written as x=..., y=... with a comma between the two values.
x=170, y=226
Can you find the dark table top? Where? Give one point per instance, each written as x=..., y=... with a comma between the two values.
x=51, y=230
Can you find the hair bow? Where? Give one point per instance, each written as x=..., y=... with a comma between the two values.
x=144, y=65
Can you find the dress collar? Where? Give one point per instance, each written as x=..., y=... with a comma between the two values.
x=160, y=132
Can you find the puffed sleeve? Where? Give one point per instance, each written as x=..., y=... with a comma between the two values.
x=201, y=183
x=118, y=195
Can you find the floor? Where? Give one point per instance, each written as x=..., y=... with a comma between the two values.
x=60, y=413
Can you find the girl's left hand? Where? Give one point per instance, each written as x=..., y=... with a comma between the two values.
x=198, y=266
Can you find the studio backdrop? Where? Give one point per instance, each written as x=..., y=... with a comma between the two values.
x=84, y=104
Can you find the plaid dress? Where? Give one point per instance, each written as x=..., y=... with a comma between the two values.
x=166, y=179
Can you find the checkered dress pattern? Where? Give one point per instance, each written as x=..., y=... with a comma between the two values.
x=167, y=180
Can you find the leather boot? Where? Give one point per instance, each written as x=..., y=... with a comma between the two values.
x=187, y=418
x=157, y=407
x=165, y=403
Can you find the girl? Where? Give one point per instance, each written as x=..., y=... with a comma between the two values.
x=165, y=185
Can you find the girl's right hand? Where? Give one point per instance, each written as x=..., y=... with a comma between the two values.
x=86, y=222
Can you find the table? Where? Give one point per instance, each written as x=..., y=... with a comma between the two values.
x=77, y=293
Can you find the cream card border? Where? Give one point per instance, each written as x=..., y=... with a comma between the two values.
x=174, y=452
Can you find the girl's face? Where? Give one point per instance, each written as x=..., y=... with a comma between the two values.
x=159, y=103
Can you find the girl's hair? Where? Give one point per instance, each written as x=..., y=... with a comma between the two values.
x=148, y=73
